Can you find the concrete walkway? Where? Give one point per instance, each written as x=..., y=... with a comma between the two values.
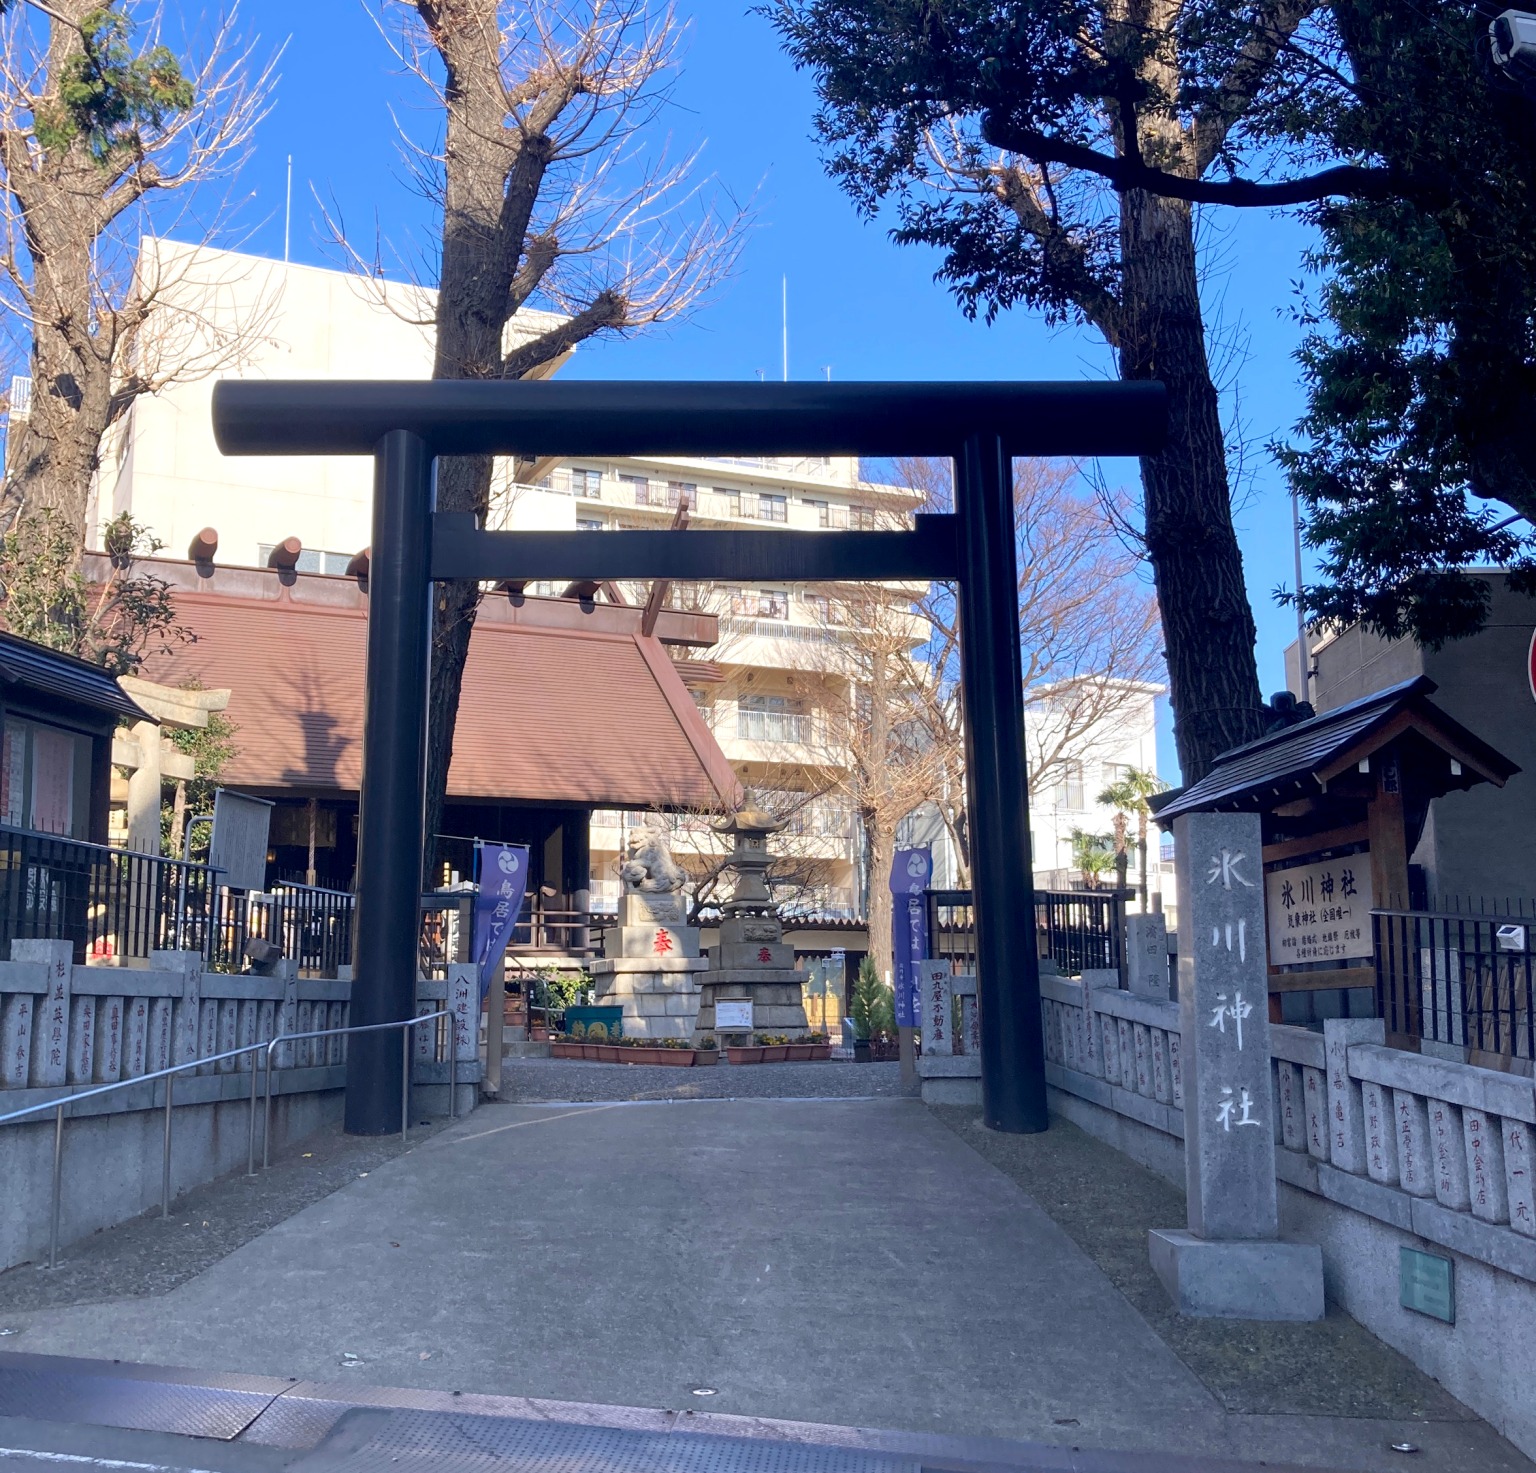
x=851, y=1262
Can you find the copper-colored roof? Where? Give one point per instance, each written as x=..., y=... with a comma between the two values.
x=549, y=714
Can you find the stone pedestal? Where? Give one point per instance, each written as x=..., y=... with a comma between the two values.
x=777, y=996
x=659, y=995
x=1265, y=1279
x=650, y=966
x=1229, y=1261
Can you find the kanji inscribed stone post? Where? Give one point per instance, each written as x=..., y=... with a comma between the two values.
x=1229, y=1132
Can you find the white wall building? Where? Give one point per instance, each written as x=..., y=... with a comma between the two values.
x=772, y=688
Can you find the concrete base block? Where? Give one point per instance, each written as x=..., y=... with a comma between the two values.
x=951, y=1091
x=1261, y=1280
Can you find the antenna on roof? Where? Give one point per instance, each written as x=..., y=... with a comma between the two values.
x=786, y=329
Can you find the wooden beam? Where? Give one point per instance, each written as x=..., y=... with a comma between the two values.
x=1321, y=981
x=1355, y=833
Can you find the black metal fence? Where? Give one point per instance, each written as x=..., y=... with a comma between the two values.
x=309, y=925
x=542, y=930
x=1079, y=930
x=115, y=904
x=1457, y=978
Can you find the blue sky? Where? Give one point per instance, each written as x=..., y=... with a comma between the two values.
x=857, y=303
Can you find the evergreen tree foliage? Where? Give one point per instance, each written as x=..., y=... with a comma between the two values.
x=873, y=1011
x=1418, y=455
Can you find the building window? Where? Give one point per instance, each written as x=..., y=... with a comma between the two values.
x=772, y=508
x=759, y=603
x=640, y=488
x=311, y=560
x=772, y=719
x=589, y=524
x=1069, y=787
x=676, y=490
x=861, y=518
x=1116, y=773
x=822, y=509
x=818, y=606
x=587, y=483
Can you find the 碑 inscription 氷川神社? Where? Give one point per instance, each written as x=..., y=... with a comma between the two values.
x=1235, y=1106
x=1320, y=912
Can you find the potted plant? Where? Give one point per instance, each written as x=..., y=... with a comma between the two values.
x=677, y=1052
x=708, y=1051
x=873, y=1011
x=744, y=1052
x=775, y=1047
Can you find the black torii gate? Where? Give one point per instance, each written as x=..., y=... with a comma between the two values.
x=406, y=425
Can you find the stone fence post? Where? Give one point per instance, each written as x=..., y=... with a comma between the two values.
x=50, y=1033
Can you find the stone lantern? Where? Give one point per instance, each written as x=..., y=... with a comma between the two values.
x=751, y=963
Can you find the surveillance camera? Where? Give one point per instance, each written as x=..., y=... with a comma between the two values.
x=1512, y=37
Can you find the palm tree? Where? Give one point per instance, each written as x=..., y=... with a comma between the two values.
x=1092, y=855
x=1129, y=795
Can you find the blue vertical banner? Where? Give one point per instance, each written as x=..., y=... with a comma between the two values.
x=910, y=874
x=503, y=884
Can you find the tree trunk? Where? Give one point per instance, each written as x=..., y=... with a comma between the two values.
x=1208, y=626
x=53, y=449
x=880, y=848
x=1141, y=845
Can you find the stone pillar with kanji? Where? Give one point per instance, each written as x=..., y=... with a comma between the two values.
x=1230, y=1261
x=651, y=962
x=752, y=963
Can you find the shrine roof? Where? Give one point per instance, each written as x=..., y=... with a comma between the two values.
x=558, y=706
x=1308, y=754
x=35, y=667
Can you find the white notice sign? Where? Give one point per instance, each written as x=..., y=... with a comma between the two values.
x=733, y=1017
x=1320, y=912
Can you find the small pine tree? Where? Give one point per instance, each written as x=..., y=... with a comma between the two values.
x=874, y=1007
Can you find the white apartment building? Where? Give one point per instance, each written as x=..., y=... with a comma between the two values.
x=775, y=686
x=764, y=685
x=1099, y=753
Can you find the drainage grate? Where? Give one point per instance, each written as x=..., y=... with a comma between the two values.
x=143, y=1398
x=436, y=1442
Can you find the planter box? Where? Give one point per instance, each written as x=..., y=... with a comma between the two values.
x=775, y=1053
x=745, y=1053
x=564, y=1050
x=804, y=1052
x=706, y=1056
x=821, y=1050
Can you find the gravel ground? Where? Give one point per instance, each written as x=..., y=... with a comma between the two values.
x=529, y=1081
x=1105, y=1203
x=151, y=1255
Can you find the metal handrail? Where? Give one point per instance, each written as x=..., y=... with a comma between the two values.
x=405, y=1025
x=61, y=1105
x=168, y=1075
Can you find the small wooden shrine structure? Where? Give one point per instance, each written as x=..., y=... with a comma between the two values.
x=1343, y=798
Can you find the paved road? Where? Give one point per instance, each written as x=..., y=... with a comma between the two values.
x=849, y=1262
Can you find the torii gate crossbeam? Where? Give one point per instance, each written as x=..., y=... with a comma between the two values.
x=406, y=425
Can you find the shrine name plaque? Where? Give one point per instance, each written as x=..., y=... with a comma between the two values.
x=1320, y=912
